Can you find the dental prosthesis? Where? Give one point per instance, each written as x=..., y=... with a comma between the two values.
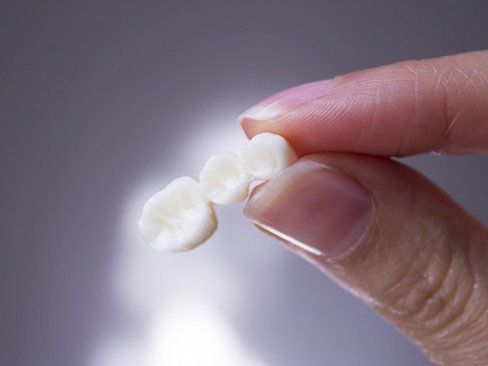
x=181, y=216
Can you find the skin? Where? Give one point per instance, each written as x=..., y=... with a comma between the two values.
x=421, y=260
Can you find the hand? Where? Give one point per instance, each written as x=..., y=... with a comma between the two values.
x=380, y=229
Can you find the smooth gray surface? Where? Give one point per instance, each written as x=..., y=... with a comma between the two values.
x=102, y=102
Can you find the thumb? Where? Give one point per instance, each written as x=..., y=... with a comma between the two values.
x=392, y=238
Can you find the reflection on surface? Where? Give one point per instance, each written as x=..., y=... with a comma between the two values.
x=189, y=332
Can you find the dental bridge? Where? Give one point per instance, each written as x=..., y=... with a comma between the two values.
x=181, y=216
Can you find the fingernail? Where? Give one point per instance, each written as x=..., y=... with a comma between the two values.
x=285, y=100
x=314, y=208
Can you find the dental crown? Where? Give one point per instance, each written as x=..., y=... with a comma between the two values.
x=181, y=216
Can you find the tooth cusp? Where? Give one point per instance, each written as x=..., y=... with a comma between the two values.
x=177, y=218
x=225, y=179
x=267, y=154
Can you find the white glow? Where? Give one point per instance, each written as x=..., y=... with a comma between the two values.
x=189, y=333
x=168, y=308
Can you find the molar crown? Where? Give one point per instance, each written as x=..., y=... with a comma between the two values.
x=267, y=154
x=225, y=179
x=177, y=218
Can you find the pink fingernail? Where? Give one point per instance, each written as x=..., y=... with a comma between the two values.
x=314, y=208
x=273, y=106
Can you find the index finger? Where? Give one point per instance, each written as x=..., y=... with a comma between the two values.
x=407, y=108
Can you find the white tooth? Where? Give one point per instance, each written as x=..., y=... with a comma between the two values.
x=225, y=179
x=178, y=217
x=267, y=154
x=181, y=216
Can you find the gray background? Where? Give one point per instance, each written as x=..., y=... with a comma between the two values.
x=101, y=103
